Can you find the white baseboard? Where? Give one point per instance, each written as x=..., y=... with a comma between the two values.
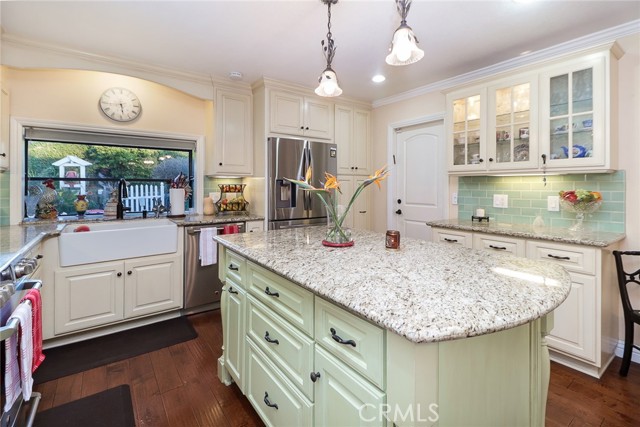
x=635, y=354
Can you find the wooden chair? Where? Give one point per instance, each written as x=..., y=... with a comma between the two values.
x=631, y=316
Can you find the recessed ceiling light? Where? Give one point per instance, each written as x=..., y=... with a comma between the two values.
x=378, y=78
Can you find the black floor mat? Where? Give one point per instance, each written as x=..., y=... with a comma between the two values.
x=73, y=358
x=109, y=408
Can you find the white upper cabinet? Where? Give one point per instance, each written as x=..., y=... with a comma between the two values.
x=233, y=145
x=353, y=138
x=294, y=114
x=552, y=118
x=4, y=130
x=576, y=112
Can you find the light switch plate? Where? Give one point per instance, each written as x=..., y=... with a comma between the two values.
x=553, y=203
x=500, y=201
x=454, y=198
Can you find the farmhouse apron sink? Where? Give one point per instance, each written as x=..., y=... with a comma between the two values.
x=108, y=241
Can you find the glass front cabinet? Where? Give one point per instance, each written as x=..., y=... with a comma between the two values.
x=575, y=114
x=554, y=118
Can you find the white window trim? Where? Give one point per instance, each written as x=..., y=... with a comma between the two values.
x=16, y=182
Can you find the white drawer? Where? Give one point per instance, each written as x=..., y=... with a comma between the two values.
x=288, y=348
x=353, y=340
x=499, y=244
x=574, y=258
x=292, y=302
x=272, y=396
x=236, y=267
x=453, y=237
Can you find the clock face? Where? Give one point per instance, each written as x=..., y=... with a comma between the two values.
x=120, y=104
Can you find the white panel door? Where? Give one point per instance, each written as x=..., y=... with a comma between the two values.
x=420, y=176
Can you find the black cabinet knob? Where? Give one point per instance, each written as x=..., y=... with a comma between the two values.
x=491, y=159
x=314, y=376
x=119, y=274
x=481, y=160
x=220, y=164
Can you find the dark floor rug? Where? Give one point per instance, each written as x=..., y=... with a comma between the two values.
x=73, y=358
x=109, y=408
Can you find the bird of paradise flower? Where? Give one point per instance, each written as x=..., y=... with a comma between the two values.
x=329, y=199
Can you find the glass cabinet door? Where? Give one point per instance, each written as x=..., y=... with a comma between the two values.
x=573, y=124
x=571, y=107
x=466, y=131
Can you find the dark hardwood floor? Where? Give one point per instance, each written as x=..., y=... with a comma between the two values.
x=178, y=386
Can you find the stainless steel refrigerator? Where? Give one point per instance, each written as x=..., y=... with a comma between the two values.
x=289, y=206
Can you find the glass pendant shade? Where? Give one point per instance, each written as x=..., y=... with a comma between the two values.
x=404, y=47
x=328, y=84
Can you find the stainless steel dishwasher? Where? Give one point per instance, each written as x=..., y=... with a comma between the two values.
x=202, y=286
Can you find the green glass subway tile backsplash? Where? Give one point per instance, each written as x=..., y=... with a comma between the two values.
x=528, y=198
x=4, y=198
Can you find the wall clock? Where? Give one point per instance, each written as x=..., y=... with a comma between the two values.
x=120, y=104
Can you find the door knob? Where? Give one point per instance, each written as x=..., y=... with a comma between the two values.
x=399, y=211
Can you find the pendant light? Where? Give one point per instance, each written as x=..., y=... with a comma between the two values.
x=404, y=48
x=328, y=79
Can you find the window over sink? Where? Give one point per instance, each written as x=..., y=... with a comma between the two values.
x=92, y=163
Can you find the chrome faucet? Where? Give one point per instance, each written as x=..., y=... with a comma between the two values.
x=158, y=207
x=122, y=194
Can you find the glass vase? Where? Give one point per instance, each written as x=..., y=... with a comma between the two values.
x=338, y=236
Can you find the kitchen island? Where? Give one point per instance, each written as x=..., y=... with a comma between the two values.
x=430, y=333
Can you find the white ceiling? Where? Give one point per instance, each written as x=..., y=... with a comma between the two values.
x=281, y=39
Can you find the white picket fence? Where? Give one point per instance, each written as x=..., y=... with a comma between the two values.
x=141, y=196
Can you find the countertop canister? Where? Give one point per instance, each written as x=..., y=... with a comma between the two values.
x=392, y=240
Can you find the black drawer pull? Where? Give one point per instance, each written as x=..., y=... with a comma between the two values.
x=269, y=339
x=233, y=267
x=340, y=340
x=269, y=404
x=566, y=258
x=498, y=248
x=314, y=376
x=271, y=294
x=231, y=291
x=451, y=240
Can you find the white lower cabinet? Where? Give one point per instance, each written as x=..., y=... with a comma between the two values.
x=585, y=324
x=104, y=293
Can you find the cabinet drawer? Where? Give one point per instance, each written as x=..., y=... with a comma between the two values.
x=574, y=258
x=288, y=348
x=453, y=237
x=275, y=399
x=236, y=267
x=362, y=345
x=289, y=300
x=499, y=244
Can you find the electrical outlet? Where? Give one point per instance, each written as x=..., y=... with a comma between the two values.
x=500, y=201
x=553, y=203
x=454, y=198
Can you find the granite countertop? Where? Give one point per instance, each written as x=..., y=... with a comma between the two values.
x=424, y=291
x=562, y=235
x=15, y=240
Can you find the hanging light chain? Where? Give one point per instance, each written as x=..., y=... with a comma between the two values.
x=330, y=49
x=403, y=9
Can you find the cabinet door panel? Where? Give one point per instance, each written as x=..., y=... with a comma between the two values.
x=344, y=138
x=343, y=398
x=361, y=142
x=152, y=286
x=4, y=129
x=287, y=113
x=318, y=119
x=233, y=152
x=275, y=399
x=574, y=330
x=234, y=331
x=88, y=297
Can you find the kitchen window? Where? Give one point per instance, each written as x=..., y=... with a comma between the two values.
x=92, y=163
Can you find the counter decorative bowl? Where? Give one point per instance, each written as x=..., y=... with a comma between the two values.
x=580, y=202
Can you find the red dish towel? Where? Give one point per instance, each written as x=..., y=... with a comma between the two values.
x=231, y=229
x=36, y=309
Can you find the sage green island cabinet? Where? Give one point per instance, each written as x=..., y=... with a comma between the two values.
x=430, y=334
